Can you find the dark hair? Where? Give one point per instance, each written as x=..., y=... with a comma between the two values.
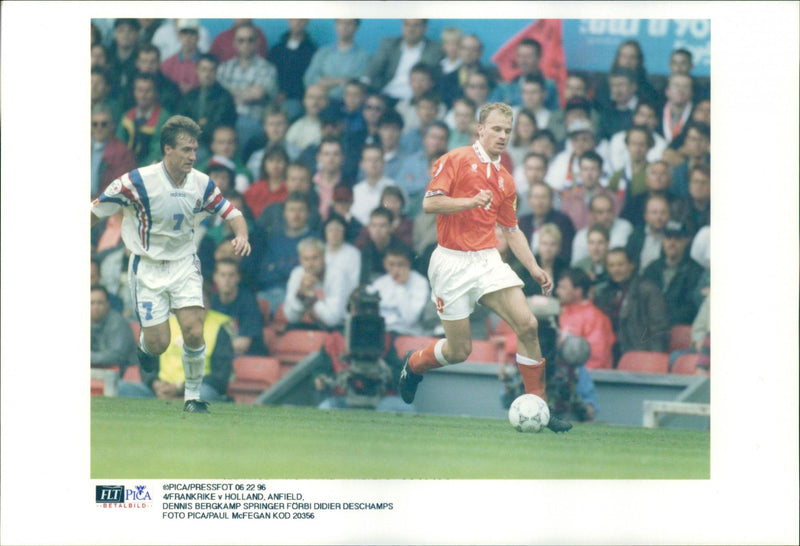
x=99, y=288
x=642, y=129
x=176, y=126
x=102, y=71
x=425, y=69
x=382, y=211
x=133, y=23
x=396, y=248
x=534, y=78
x=395, y=191
x=436, y=124
x=646, y=104
x=542, y=157
x=531, y=116
x=466, y=100
x=372, y=146
x=701, y=166
x=148, y=48
x=430, y=96
x=391, y=117
x=297, y=197
x=623, y=72
x=531, y=43
x=270, y=152
x=621, y=250
x=227, y=261
x=683, y=51
x=579, y=279
x=597, y=228
x=700, y=127
x=148, y=77
x=591, y=155
x=544, y=133
x=330, y=140
x=334, y=217
x=210, y=57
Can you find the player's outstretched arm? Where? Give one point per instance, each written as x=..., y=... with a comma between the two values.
x=444, y=204
x=518, y=244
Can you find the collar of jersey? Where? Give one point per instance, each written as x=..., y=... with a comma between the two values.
x=483, y=156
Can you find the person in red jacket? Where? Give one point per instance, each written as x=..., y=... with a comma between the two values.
x=110, y=156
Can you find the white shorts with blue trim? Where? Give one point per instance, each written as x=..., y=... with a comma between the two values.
x=460, y=278
x=157, y=286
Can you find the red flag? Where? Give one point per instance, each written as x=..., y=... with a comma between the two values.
x=548, y=32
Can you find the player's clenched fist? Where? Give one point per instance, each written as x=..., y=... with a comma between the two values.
x=483, y=199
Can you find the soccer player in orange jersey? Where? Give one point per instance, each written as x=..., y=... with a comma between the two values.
x=470, y=192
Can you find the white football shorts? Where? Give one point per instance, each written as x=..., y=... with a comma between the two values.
x=157, y=286
x=459, y=279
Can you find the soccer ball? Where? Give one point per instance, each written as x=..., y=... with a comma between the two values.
x=529, y=413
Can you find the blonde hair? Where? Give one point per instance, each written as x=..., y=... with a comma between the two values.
x=451, y=33
x=490, y=107
x=552, y=230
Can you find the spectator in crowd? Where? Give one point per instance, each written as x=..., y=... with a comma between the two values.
x=544, y=143
x=276, y=125
x=529, y=55
x=657, y=182
x=700, y=250
x=167, y=382
x=339, y=253
x=629, y=55
x=451, y=41
x=644, y=244
x=374, y=108
x=678, y=106
x=96, y=278
x=694, y=210
x=393, y=198
x=271, y=184
x=221, y=171
x=291, y=57
x=421, y=79
x=181, y=68
x=148, y=62
x=239, y=303
x=580, y=317
x=353, y=99
x=677, y=152
x=316, y=296
x=380, y=237
x=676, y=274
x=477, y=88
x=452, y=85
x=279, y=257
x=682, y=63
x=525, y=126
x=575, y=200
x=307, y=130
x=252, y=80
x=209, y=103
x=331, y=121
x=101, y=92
x=531, y=170
x=224, y=48
x=112, y=342
x=167, y=37
x=697, y=149
x=342, y=205
x=643, y=116
x=547, y=255
x=618, y=113
x=140, y=127
x=533, y=94
x=334, y=64
x=415, y=171
x=576, y=95
x=367, y=193
x=298, y=180
x=224, y=149
x=601, y=208
x=540, y=200
x=464, y=112
x=426, y=111
x=594, y=264
x=99, y=56
x=148, y=28
x=404, y=292
x=390, y=127
x=330, y=160
x=564, y=170
x=122, y=57
x=389, y=68
x=635, y=306
x=111, y=158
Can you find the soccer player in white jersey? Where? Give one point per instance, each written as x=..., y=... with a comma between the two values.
x=160, y=203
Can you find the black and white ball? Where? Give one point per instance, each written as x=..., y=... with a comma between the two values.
x=529, y=413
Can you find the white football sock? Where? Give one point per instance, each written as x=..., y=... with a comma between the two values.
x=194, y=363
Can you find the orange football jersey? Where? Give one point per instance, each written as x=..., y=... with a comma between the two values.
x=463, y=172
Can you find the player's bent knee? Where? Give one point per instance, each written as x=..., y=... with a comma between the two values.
x=459, y=352
x=528, y=329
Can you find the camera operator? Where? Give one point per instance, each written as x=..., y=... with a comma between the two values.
x=359, y=377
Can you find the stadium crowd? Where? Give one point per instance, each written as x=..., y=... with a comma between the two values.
x=327, y=149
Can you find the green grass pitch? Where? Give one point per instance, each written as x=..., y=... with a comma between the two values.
x=154, y=439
